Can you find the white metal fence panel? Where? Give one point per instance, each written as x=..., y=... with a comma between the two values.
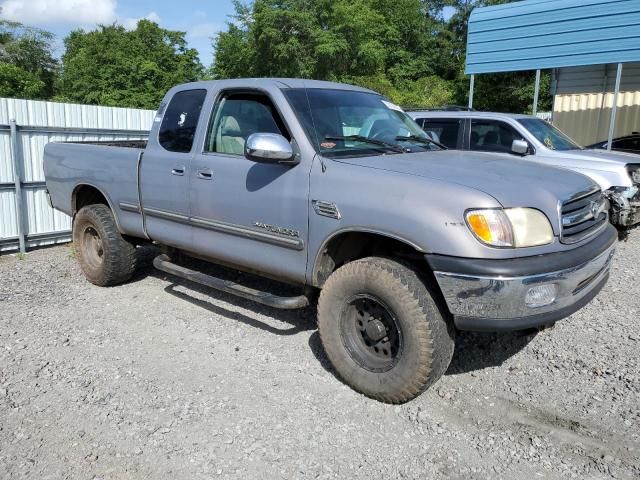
x=26, y=220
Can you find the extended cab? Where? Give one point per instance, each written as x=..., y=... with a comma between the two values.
x=524, y=136
x=334, y=189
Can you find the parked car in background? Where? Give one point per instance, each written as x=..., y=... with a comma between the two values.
x=524, y=136
x=628, y=143
x=335, y=190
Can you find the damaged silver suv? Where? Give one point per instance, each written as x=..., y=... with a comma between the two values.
x=617, y=173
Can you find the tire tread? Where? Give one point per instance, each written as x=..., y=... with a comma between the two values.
x=433, y=336
x=120, y=255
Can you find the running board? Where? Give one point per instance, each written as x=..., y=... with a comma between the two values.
x=164, y=263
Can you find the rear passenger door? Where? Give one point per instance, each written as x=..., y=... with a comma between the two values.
x=492, y=136
x=447, y=131
x=164, y=171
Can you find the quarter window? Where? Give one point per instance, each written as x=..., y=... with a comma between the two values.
x=238, y=116
x=180, y=120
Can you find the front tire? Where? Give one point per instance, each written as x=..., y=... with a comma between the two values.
x=105, y=257
x=382, y=330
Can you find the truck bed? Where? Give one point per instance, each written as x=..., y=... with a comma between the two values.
x=111, y=167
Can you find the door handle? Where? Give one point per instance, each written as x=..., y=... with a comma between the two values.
x=179, y=171
x=205, y=174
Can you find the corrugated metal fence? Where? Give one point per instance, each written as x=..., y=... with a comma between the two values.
x=26, y=126
x=584, y=99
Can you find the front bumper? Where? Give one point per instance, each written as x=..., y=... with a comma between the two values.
x=489, y=295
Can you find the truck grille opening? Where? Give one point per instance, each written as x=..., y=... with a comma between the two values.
x=583, y=216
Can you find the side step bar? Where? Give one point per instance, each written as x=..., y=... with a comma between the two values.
x=164, y=263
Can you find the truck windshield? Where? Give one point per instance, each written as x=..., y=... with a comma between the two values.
x=550, y=136
x=347, y=123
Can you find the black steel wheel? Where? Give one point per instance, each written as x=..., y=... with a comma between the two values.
x=371, y=333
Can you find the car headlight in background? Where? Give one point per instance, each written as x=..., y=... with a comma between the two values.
x=510, y=227
x=634, y=172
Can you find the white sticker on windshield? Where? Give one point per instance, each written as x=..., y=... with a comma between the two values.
x=392, y=106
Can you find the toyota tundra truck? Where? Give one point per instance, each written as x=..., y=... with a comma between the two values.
x=335, y=190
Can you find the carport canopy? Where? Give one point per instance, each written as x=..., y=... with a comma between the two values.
x=539, y=34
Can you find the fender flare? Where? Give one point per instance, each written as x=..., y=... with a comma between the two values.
x=106, y=197
x=346, y=230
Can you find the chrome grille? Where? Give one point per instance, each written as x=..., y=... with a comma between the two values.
x=583, y=216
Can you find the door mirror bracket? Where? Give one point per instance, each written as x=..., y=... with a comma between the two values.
x=270, y=148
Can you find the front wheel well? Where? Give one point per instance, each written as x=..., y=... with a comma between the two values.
x=349, y=246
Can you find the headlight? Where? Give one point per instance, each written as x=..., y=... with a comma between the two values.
x=511, y=227
x=634, y=172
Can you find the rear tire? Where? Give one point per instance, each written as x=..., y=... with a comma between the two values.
x=105, y=257
x=382, y=330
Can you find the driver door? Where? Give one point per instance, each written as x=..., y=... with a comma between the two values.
x=252, y=215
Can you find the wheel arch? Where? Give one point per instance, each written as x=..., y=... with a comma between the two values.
x=344, y=246
x=88, y=194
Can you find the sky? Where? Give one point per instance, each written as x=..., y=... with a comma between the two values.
x=201, y=19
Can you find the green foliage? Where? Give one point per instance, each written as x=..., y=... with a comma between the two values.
x=116, y=67
x=27, y=65
x=403, y=49
x=17, y=82
x=387, y=45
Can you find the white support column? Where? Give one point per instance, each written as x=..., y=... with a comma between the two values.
x=536, y=91
x=612, y=121
x=473, y=77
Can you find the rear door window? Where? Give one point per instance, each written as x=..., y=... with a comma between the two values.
x=180, y=120
x=444, y=131
x=492, y=136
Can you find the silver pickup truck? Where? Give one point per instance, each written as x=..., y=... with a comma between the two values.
x=334, y=189
x=524, y=136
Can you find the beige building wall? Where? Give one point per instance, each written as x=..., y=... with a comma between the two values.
x=585, y=116
x=584, y=98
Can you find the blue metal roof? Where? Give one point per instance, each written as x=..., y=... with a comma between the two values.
x=537, y=34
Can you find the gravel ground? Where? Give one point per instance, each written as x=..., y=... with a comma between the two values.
x=158, y=379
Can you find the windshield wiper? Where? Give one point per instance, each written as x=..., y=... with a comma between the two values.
x=363, y=139
x=425, y=140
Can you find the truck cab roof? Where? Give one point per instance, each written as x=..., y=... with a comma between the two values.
x=270, y=82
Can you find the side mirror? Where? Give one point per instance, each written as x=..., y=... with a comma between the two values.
x=520, y=147
x=269, y=148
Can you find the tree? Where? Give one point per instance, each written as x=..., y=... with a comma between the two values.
x=404, y=49
x=386, y=43
x=27, y=66
x=115, y=67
